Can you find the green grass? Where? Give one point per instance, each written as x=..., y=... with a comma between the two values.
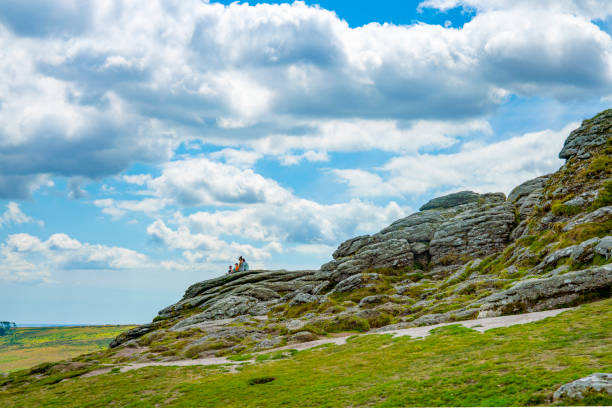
x=518, y=365
x=599, y=164
x=558, y=208
x=28, y=346
x=604, y=198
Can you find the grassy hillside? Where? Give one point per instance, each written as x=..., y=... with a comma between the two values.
x=518, y=365
x=28, y=346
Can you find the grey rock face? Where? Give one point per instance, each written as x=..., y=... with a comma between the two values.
x=437, y=318
x=604, y=247
x=295, y=324
x=256, y=291
x=593, y=132
x=526, y=196
x=522, y=191
x=302, y=336
x=354, y=282
x=131, y=334
x=540, y=294
x=581, y=252
x=430, y=319
x=351, y=246
x=268, y=343
x=579, y=201
x=371, y=300
x=451, y=200
x=599, y=215
x=460, y=225
x=417, y=227
x=223, y=308
x=229, y=307
x=402, y=289
x=598, y=382
x=228, y=334
x=473, y=233
x=302, y=298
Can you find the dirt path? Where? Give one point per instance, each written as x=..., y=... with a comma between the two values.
x=480, y=325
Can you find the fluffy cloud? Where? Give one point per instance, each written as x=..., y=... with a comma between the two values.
x=238, y=158
x=25, y=258
x=14, y=215
x=100, y=85
x=200, y=181
x=485, y=168
x=200, y=247
x=298, y=225
x=117, y=208
x=364, y=135
x=588, y=8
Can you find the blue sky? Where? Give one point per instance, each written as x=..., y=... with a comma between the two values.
x=145, y=145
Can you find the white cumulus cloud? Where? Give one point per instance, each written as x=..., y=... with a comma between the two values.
x=14, y=215
x=102, y=85
x=498, y=166
x=25, y=258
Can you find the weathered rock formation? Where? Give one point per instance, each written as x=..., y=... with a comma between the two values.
x=547, y=245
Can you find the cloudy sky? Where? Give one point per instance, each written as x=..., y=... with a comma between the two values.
x=145, y=144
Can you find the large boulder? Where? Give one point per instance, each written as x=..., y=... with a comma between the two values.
x=131, y=334
x=597, y=382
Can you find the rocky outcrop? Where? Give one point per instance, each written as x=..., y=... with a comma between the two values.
x=599, y=215
x=547, y=245
x=577, y=390
x=583, y=252
x=476, y=232
x=132, y=334
x=451, y=200
x=240, y=293
x=452, y=229
x=592, y=133
x=526, y=196
x=533, y=295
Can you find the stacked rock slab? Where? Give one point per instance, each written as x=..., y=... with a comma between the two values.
x=449, y=230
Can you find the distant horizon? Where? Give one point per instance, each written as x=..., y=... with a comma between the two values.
x=35, y=325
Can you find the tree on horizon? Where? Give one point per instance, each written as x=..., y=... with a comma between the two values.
x=5, y=327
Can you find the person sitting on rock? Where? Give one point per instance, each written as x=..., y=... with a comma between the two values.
x=236, y=267
x=239, y=267
x=230, y=269
x=244, y=266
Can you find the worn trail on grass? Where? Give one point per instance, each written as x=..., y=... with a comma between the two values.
x=480, y=325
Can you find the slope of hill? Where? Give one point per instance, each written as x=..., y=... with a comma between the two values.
x=466, y=255
x=454, y=366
